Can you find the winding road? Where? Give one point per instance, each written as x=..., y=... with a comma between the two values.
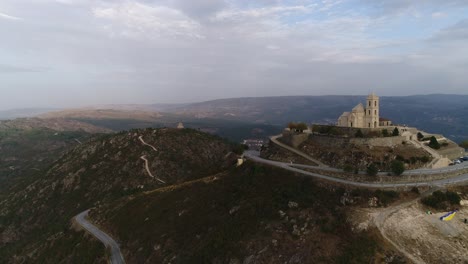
x=254, y=156
x=144, y=143
x=116, y=256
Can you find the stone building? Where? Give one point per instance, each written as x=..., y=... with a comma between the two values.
x=364, y=117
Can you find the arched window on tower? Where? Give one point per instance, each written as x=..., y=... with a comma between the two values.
x=375, y=111
x=375, y=103
x=369, y=103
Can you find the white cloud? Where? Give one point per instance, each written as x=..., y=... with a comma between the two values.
x=133, y=19
x=5, y=16
x=239, y=14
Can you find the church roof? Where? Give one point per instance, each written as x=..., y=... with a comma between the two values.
x=384, y=119
x=345, y=114
x=358, y=108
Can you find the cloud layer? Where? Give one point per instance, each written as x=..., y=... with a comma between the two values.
x=128, y=51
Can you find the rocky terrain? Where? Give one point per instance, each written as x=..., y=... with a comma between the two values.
x=340, y=153
x=26, y=152
x=251, y=214
x=35, y=218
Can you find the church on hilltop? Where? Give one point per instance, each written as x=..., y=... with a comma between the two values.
x=364, y=117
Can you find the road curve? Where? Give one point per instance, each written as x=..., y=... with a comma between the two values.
x=116, y=256
x=442, y=182
x=149, y=171
x=144, y=143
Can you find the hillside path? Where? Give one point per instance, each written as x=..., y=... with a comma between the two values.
x=148, y=169
x=379, y=222
x=144, y=143
x=274, y=139
x=116, y=256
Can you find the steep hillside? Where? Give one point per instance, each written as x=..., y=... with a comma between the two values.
x=252, y=214
x=34, y=221
x=25, y=152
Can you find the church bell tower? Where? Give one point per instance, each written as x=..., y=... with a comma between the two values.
x=372, y=111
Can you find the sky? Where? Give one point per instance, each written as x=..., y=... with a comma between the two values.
x=72, y=53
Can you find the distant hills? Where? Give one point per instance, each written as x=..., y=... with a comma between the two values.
x=238, y=118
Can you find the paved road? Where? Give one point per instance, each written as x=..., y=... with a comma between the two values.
x=252, y=155
x=116, y=256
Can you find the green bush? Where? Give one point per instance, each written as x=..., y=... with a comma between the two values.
x=440, y=200
x=395, y=132
x=372, y=170
x=398, y=167
x=385, y=132
x=348, y=168
x=359, y=134
x=420, y=136
x=434, y=143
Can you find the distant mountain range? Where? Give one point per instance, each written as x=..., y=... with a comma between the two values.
x=436, y=113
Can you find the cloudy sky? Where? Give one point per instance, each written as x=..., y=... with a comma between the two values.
x=84, y=52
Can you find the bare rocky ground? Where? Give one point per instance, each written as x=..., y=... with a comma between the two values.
x=424, y=236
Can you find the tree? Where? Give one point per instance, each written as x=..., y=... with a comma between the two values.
x=398, y=167
x=395, y=132
x=301, y=127
x=372, y=170
x=464, y=144
x=359, y=134
x=385, y=132
x=420, y=136
x=292, y=125
x=433, y=143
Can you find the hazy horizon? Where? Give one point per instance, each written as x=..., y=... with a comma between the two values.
x=77, y=53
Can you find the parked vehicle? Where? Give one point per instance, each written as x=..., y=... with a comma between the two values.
x=456, y=161
x=465, y=158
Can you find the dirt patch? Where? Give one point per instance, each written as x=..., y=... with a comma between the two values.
x=426, y=237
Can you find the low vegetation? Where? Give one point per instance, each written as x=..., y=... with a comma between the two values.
x=253, y=212
x=35, y=217
x=442, y=200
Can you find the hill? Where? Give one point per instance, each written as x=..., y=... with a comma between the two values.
x=57, y=124
x=436, y=113
x=252, y=214
x=118, y=120
x=26, y=152
x=35, y=217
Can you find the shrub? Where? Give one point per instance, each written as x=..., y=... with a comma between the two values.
x=425, y=159
x=420, y=136
x=359, y=134
x=440, y=200
x=398, y=167
x=348, y=168
x=434, y=143
x=395, y=132
x=301, y=127
x=372, y=170
x=385, y=132
x=453, y=197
